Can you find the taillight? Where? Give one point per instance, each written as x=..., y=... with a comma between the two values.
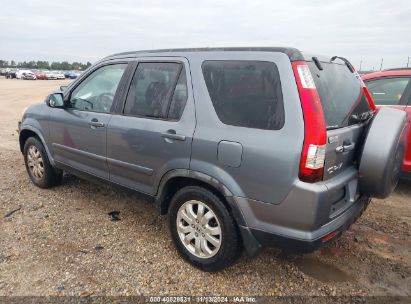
x=315, y=137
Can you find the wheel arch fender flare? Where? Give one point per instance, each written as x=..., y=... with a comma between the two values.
x=23, y=137
x=162, y=200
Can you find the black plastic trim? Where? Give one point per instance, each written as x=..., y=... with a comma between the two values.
x=267, y=239
x=80, y=152
x=137, y=168
x=251, y=245
x=161, y=198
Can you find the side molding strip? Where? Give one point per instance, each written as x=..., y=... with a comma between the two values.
x=80, y=152
x=137, y=168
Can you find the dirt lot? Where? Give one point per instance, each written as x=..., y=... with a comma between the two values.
x=62, y=242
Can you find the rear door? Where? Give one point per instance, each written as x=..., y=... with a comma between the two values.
x=344, y=102
x=153, y=130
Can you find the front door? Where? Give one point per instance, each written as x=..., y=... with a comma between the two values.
x=152, y=133
x=78, y=131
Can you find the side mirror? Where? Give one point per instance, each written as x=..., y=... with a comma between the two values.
x=62, y=88
x=56, y=100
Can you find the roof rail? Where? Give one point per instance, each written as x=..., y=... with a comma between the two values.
x=292, y=53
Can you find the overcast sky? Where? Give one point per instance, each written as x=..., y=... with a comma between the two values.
x=83, y=30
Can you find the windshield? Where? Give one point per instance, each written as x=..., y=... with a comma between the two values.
x=341, y=94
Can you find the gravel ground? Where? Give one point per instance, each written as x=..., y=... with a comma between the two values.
x=62, y=242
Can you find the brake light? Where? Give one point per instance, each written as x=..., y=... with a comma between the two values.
x=315, y=137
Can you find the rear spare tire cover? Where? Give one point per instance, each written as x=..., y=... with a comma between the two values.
x=382, y=153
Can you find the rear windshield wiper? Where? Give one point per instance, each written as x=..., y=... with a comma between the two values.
x=356, y=118
x=346, y=61
x=318, y=63
x=362, y=117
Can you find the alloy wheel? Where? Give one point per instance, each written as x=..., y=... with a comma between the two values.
x=35, y=162
x=199, y=229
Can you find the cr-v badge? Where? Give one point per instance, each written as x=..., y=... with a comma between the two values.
x=335, y=168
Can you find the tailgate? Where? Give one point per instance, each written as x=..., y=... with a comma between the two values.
x=343, y=149
x=345, y=106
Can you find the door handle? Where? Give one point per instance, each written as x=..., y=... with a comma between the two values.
x=345, y=148
x=171, y=134
x=94, y=123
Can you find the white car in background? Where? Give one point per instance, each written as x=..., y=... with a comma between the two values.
x=19, y=73
x=50, y=75
x=28, y=76
x=59, y=75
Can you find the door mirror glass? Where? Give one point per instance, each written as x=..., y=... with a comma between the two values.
x=56, y=100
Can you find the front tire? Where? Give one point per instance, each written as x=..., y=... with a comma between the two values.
x=38, y=166
x=202, y=229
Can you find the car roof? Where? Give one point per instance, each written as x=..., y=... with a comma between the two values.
x=292, y=53
x=387, y=73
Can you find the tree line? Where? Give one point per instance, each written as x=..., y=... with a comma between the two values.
x=44, y=65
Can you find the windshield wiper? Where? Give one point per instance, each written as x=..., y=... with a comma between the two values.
x=362, y=117
x=346, y=61
x=318, y=63
x=356, y=118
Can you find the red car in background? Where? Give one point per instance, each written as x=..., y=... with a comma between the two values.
x=393, y=88
x=41, y=75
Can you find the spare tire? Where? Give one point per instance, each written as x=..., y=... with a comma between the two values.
x=382, y=153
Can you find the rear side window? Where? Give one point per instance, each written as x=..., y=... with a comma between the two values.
x=341, y=94
x=180, y=95
x=151, y=89
x=387, y=91
x=245, y=93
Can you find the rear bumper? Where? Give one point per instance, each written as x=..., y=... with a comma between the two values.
x=309, y=213
x=317, y=238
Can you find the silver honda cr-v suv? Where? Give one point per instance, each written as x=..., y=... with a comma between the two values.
x=241, y=147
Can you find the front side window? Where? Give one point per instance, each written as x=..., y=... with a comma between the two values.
x=246, y=93
x=151, y=89
x=387, y=91
x=96, y=92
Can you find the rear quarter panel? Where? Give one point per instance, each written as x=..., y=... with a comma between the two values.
x=270, y=158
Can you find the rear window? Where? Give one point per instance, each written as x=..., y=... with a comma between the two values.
x=245, y=93
x=341, y=94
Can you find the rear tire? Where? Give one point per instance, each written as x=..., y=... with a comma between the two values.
x=38, y=166
x=202, y=229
